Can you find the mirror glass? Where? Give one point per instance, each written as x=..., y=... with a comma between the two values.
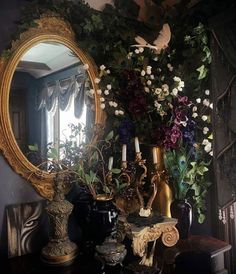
x=49, y=93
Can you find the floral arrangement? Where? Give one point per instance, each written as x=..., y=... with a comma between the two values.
x=145, y=97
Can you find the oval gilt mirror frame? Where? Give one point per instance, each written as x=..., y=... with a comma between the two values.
x=48, y=28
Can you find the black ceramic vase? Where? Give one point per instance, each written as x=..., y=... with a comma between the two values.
x=103, y=218
x=182, y=210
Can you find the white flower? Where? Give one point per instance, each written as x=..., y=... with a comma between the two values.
x=174, y=92
x=157, y=105
x=155, y=58
x=115, y=104
x=170, y=67
x=183, y=123
x=149, y=82
x=97, y=80
x=181, y=84
x=149, y=69
x=195, y=115
x=198, y=100
x=141, y=50
x=99, y=91
x=110, y=103
x=211, y=153
x=204, y=117
x=106, y=92
x=162, y=78
x=86, y=66
x=146, y=89
x=143, y=72
x=121, y=112
x=211, y=105
x=116, y=112
x=108, y=71
x=158, y=91
x=102, y=106
x=137, y=51
x=207, y=92
x=194, y=109
x=165, y=87
x=205, y=142
x=152, y=76
x=205, y=130
x=102, y=67
x=108, y=87
x=91, y=91
x=177, y=79
x=208, y=147
x=102, y=99
x=206, y=102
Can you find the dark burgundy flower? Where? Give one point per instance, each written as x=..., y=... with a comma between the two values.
x=180, y=115
x=184, y=100
x=138, y=105
x=176, y=134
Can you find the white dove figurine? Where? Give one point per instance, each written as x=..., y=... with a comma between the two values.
x=161, y=42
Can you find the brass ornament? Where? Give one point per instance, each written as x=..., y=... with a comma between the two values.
x=48, y=28
x=59, y=250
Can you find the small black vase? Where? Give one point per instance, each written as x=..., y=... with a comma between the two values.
x=182, y=210
x=103, y=218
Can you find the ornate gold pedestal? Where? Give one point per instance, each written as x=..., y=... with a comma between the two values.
x=141, y=236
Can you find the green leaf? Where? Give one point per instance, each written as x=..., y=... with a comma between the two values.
x=33, y=147
x=202, y=72
x=201, y=218
x=109, y=136
x=88, y=179
x=53, y=153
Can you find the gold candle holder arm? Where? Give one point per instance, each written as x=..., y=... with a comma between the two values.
x=124, y=176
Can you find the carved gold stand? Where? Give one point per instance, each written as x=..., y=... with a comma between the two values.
x=60, y=250
x=141, y=236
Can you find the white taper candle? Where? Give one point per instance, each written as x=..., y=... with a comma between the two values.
x=124, y=153
x=110, y=163
x=154, y=155
x=136, y=143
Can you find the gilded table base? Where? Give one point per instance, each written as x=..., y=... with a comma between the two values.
x=141, y=236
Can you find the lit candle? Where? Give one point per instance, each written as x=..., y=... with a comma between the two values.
x=110, y=163
x=124, y=153
x=136, y=143
x=154, y=155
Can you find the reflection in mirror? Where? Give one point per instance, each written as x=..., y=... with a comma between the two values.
x=49, y=91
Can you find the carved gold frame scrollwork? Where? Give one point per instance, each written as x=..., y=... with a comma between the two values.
x=48, y=28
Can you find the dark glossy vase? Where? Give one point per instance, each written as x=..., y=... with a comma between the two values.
x=182, y=210
x=103, y=218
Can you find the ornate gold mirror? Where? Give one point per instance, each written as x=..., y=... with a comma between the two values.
x=45, y=84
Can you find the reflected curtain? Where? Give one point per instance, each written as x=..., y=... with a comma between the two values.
x=61, y=93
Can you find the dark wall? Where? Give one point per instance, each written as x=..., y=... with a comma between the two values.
x=13, y=189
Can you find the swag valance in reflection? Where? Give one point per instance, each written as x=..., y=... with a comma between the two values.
x=64, y=92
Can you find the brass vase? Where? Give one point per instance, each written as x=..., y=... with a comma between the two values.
x=59, y=250
x=163, y=198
